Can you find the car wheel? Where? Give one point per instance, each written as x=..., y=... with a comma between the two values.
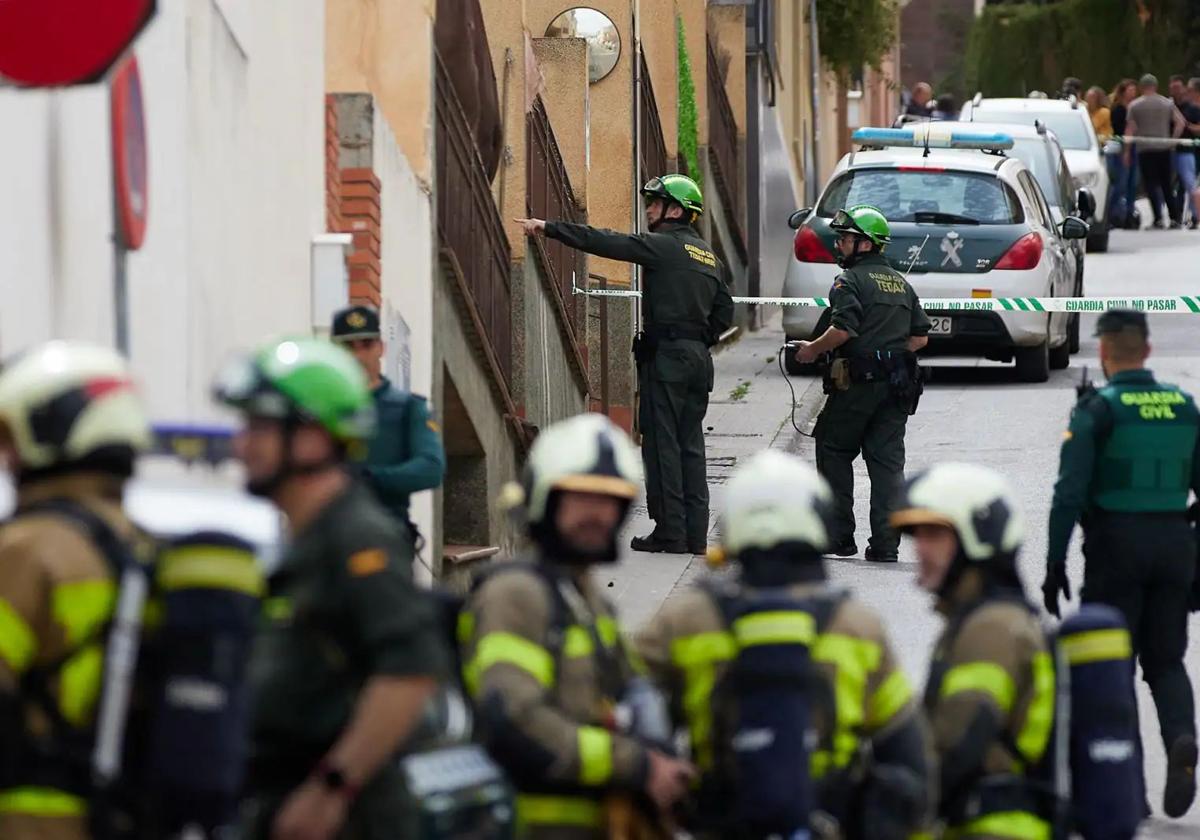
x=1033, y=363
x=1098, y=242
x=1073, y=333
x=795, y=368
x=1060, y=356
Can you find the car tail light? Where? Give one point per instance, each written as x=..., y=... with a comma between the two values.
x=1024, y=254
x=809, y=247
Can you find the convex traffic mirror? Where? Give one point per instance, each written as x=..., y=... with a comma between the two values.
x=595, y=27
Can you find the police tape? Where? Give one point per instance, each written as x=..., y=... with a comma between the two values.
x=1184, y=304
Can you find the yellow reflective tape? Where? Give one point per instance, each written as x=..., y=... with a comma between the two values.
x=577, y=642
x=79, y=684
x=465, y=628
x=18, y=644
x=558, y=810
x=1097, y=646
x=852, y=660
x=697, y=656
x=606, y=628
x=984, y=677
x=1039, y=718
x=774, y=628
x=595, y=755
x=278, y=608
x=510, y=649
x=41, y=802
x=210, y=567
x=888, y=699
x=1010, y=825
x=82, y=606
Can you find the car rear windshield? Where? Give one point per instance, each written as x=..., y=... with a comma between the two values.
x=1070, y=126
x=905, y=195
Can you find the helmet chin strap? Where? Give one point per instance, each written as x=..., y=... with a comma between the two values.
x=267, y=486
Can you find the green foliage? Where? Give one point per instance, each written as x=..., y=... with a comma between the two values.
x=689, y=132
x=854, y=33
x=1016, y=48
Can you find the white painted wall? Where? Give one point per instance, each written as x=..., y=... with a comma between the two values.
x=407, y=278
x=235, y=111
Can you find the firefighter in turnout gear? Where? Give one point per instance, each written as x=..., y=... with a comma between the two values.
x=990, y=699
x=544, y=659
x=1129, y=459
x=70, y=427
x=869, y=773
x=349, y=651
x=686, y=307
x=876, y=326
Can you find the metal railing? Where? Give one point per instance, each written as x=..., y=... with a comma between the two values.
x=723, y=140
x=470, y=230
x=652, y=154
x=548, y=195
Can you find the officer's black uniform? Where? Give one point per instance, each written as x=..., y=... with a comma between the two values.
x=880, y=311
x=1128, y=460
x=685, y=306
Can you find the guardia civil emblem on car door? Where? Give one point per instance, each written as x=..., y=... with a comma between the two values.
x=952, y=243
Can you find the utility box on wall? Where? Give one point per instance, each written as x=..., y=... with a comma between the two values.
x=330, y=277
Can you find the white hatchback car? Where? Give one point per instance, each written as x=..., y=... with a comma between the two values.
x=1069, y=120
x=963, y=224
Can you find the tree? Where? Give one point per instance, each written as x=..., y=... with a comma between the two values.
x=854, y=33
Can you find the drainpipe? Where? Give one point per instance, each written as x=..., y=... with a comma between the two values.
x=753, y=147
x=814, y=60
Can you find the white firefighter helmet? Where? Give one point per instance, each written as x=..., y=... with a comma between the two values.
x=64, y=400
x=775, y=498
x=586, y=453
x=976, y=502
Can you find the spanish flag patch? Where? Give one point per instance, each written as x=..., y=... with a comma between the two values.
x=368, y=562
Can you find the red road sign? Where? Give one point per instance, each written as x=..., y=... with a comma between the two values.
x=46, y=43
x=129, y=154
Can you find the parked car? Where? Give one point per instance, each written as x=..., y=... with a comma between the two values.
x=1069, y=120
x=964, y=224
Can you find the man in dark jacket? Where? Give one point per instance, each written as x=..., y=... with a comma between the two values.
x=406, y=454
x=685, y=308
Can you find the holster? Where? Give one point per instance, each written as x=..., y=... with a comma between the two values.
x=837, y=376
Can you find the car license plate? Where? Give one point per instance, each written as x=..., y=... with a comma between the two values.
x=941, y=325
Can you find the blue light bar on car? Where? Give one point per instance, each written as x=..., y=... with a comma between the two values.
x=932, y=135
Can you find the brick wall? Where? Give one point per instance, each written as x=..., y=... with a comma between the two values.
x=361, y=212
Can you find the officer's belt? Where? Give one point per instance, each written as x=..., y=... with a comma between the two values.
x=875, y=367
x=676, y=332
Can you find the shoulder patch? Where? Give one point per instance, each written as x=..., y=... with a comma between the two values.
x=367, y=562
x=1068, y=434
x=433, y=426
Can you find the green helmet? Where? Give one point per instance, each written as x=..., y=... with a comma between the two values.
x=865, y=220
x=302, y=379
x=678, y=188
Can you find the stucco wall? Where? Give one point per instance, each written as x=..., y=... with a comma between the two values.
x=386, y=47
x=236, y=191
x=563, y=62
x=656, y=28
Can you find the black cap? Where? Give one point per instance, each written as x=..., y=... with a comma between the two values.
x=355, y=322
x=1117, y=320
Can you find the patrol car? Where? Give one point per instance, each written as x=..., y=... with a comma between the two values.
x=964, y=225
x=1069, y=120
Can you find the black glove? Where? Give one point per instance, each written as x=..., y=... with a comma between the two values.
x=1056, y=582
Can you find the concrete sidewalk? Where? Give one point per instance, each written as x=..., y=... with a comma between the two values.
x=750, y=409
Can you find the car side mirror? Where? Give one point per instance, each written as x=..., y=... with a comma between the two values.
x=1074, y=227
x=797, y=218
x=1086, y=202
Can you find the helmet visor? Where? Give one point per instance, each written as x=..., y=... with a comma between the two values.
x=241, y=385
x=845, y=222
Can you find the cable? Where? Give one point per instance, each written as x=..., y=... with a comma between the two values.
x=788, y=380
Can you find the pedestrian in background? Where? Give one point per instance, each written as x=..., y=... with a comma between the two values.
x=1122, y=165
x=1186, y=194
x=1100, y=112
x=1153, y=115
x=918, y=105
x=1129, y=459
x=405, y=456
x=686, y=307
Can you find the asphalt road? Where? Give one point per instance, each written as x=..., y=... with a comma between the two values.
x=977, y=411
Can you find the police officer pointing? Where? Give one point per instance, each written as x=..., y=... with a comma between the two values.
x=877, y=324
x=1129, y=458
x=686, y=306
